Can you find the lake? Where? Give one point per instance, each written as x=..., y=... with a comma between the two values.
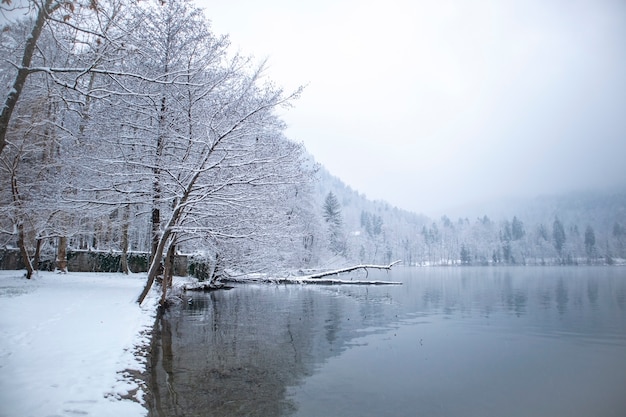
x=457, y=341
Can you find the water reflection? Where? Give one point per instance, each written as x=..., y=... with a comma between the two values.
x=235, y=352
x=561, y=296
x=444, y=343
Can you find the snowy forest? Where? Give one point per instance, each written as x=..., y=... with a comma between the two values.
x=130, y=127
x=575, y=228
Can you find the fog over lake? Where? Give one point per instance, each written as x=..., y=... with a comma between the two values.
x=474, y=341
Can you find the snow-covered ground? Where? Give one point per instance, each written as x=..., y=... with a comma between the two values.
x=66, y=340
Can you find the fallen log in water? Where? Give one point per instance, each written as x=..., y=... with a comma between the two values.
x=205, y=286
x=317, y=278
x=350, y=269
x=320, y=281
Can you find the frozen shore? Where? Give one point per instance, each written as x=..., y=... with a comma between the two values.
x=67, y=342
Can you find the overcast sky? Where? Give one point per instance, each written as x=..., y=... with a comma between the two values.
x=431, y=104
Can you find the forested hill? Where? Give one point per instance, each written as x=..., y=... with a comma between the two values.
x=369, y=231
x=572, y=228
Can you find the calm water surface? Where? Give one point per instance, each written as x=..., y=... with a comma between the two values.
x=468, y=341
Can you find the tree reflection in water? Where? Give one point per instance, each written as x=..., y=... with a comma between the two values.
x=439, y=340
x=236, y=352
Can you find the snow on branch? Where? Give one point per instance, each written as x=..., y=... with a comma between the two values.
x=350, y=269
x=320, y=278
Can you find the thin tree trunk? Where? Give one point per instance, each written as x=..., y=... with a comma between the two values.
x=154, y=266
x=169, y=264
x=125, y=226
x=21, y=239
x=213, y=270
x=158, y=239
x=156, y=226
x=62, y=255
x=156, y=185
x=23, y=251
x=168, y=273
x=37, y=256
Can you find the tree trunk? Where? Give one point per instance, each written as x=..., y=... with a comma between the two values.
x=22, y=73
x=156, y=185
x=169, y=264
x=168, y=273
x=21, y=238
x=37, y=254
x=23, y=251
x=213, y=271
x=62, y=255
x=125, y=226
x=156, y=226
x=155, y=265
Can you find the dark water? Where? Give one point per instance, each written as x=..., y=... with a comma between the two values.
x=449, y=342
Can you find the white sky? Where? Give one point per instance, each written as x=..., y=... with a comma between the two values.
x=430, y=104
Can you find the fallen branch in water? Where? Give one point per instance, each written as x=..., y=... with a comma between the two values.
x=317, y=278
x=205, y=286
x=350, y=269
x=319, y=281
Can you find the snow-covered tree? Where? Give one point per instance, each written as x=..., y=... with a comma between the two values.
x=32, y=154
x=153, y=120
x=77, y=26
x=558, y=236
x=334, y=223
x=590, y=243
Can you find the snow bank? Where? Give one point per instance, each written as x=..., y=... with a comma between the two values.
x=66, y=340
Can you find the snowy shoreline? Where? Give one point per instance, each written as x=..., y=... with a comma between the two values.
x=73, y=344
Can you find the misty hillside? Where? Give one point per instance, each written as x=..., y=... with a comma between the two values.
x=355, y=203
x=522, y=231
x=371, y=231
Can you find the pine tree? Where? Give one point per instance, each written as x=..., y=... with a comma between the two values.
x=333, y=218
x=517, y=229
x=332, y=210
x=590, y=242
x=558, y=235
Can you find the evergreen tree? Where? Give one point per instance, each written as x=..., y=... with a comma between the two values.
x=466, y=258
x=333, y=218
x=332, y=210
x=517, y=229
x=377, y=225
x=558, y=235
x=590, y=242
x=506, y=237
x=619, y=236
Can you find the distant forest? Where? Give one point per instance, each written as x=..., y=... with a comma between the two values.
x=568, y=229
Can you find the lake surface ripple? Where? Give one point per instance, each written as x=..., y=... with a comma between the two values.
x=470, y=341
